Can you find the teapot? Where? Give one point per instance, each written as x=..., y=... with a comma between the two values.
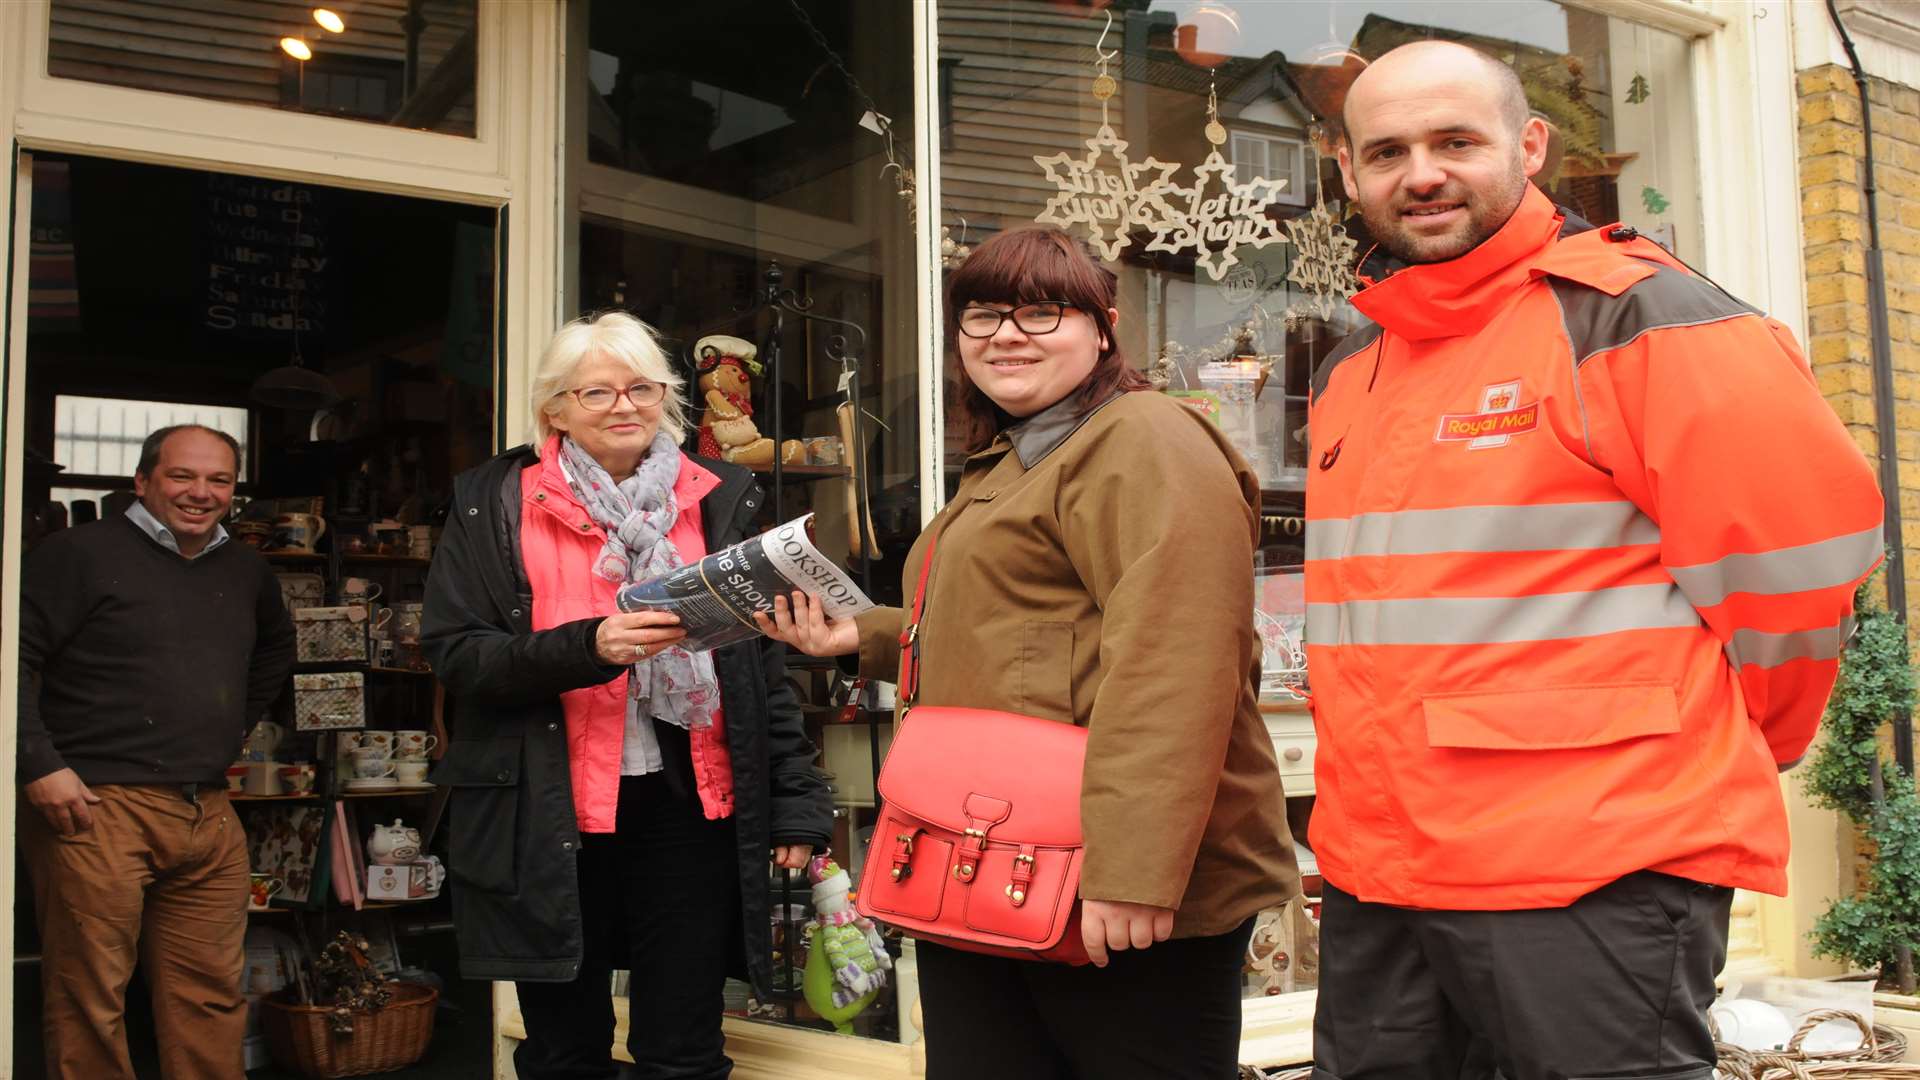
x=391, y=845
x=262, y=741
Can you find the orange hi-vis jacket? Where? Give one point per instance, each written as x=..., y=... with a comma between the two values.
x=1582, y=541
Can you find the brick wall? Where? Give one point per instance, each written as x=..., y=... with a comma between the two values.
x=1832, y=207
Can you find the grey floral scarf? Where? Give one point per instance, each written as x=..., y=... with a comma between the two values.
x=673, y=684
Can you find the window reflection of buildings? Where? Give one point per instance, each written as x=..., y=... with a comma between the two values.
x=410, y=66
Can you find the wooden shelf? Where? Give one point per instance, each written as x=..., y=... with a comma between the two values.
x=352, y=557
x=338, y=908
x=323, y=667
x=804, y=472
x=386, y=560
x=399, y=670
x=424, y=789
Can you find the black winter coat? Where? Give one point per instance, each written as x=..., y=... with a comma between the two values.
x=513, y=837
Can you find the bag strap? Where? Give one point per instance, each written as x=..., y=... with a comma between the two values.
x=910, y=635
x=909, y=687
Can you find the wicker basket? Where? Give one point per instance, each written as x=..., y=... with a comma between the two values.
x=301, y=1038
x=1877, y=1057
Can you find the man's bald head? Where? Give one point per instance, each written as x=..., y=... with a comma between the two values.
x=1438, y=149
x=1426, y=61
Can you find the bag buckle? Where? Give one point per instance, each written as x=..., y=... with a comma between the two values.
x=902, y=856
x=1022, y=876
x=970, y=852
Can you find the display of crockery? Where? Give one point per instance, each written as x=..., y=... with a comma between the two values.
x=372, y=783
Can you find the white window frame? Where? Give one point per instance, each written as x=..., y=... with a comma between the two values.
x=1295, y=193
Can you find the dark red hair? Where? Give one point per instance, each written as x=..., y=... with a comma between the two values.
x=1021, y=266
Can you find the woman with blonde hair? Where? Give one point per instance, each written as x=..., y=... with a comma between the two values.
x=615, y=796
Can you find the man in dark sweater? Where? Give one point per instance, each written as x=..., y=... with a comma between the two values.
x=148, y=646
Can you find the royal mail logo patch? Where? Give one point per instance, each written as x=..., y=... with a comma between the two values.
x=1500, y=418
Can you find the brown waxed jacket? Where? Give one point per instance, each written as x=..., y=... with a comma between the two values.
x=1100, y=572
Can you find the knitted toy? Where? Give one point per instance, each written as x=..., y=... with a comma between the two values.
x=847, y=961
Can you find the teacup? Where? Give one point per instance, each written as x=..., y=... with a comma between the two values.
x=297, y=778
x=360, y=593
x=236, y=778
x=411, y=773
x=365, y=740
x=372, y=767
x=262, y=888
x=413, y=745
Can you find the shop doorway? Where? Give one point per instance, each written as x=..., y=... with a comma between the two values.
x=348, y=341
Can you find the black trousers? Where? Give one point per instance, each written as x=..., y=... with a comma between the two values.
x=660, y=896
x=1616, y=985
x=1170, y=1012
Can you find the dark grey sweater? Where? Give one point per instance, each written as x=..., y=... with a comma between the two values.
x=139, y=666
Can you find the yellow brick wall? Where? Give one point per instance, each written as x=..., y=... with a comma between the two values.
x=1833, y=217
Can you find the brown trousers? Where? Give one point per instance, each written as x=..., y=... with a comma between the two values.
x=160, y=879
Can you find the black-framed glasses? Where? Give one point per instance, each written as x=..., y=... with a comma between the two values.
x=601, y=398
x=1039, y=317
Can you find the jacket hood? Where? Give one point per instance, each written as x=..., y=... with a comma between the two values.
x=1459, y=296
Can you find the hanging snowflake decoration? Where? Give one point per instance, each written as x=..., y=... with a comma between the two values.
x=1108, y=201
x=1323, y=259
x=1215, y=225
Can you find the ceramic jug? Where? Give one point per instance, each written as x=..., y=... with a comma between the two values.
x=300, y=531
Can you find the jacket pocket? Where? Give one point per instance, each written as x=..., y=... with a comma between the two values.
x=1562, y=718
x=1509, y=778
x=1044, y=686
x=482, y=846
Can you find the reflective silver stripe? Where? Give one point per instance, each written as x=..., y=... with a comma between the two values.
x=1839, y=561
x=1771, y=650
x=1491, y=620
x=1539, y=527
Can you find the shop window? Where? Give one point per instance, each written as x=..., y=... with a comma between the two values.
x=410, y=65
x=1239, y=337
x=96, y=436
x=779, y=130
x=743, y=172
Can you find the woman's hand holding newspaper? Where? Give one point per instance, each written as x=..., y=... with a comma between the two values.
x=802, y=624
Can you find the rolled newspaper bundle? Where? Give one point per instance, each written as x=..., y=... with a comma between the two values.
x=717, y=596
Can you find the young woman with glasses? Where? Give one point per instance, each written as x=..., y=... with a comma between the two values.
x=616, y=798
x=1095, y=568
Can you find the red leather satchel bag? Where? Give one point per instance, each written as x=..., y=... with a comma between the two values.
x=978, y=846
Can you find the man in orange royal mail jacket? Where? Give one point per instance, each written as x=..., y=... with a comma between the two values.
x=1582, y=543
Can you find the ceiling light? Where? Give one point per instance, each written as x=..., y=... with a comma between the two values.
x=332, y=23
x=295, y=48
x=295, y=387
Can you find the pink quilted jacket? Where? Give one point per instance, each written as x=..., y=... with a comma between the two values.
x=558, y=542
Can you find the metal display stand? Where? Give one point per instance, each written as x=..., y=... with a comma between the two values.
x=846, y=345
